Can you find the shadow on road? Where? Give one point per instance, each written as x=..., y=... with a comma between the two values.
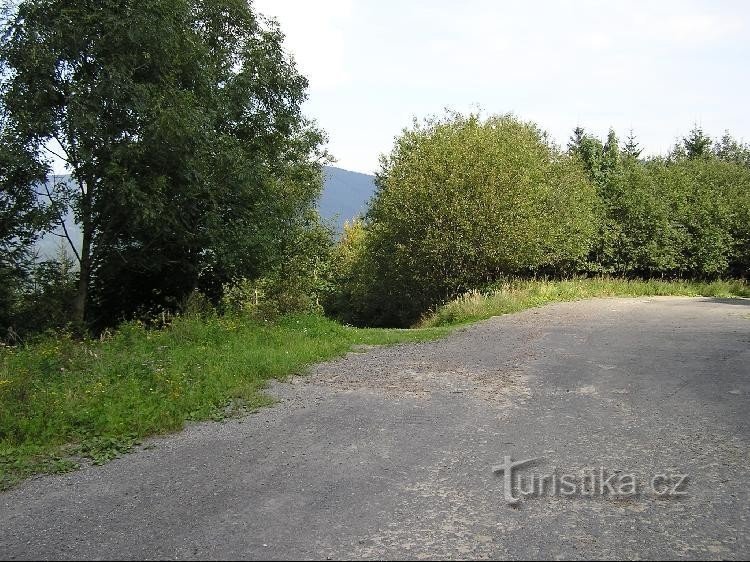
x=735, y=300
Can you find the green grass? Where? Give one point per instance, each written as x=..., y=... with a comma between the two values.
x=518, y=295
x=63, y=400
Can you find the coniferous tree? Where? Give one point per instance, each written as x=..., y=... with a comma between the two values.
x=632, y=148
x=610, y=154
x=697, y=144
x=574, y=144
x=730, y=150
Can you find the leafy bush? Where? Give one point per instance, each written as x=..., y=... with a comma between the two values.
x=294, y=284
x=350, y=274
x=462, y=201
x=42, y=301
x=244, y=296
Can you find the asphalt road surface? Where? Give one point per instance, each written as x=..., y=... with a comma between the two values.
x=389, y=452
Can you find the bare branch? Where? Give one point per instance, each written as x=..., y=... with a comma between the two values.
x=74, y=161
x=61, y=220
x=56, y=154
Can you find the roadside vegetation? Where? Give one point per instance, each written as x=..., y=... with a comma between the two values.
x=521, y=294
x=66, y=401
x=63, y=400
x=205, y=269
x=464, y=202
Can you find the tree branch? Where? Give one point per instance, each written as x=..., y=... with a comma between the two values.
x=74, y=161
x=61, y=220
x=56, y=154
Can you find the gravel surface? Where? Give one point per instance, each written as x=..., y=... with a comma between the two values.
x=389, y=452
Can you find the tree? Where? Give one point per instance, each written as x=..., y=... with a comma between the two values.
x=684, y=218
x=640, y=236
x=351, y=274
x=610, y=161
x=590, y=151
x=22, y=216
x=461, y=202
x=576, y=139
x=729, y=149
x=180, y=121
x=697, y=144
x=44, y=301
x=631, y=148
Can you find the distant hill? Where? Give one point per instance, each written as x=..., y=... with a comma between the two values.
x=345, y=196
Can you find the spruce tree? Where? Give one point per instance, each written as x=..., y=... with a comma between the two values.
x=697, y=144
x=632, y=148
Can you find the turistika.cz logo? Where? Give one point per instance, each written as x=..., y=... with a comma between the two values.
x=589, y=482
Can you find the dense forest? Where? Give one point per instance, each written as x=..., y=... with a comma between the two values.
x=195, y=178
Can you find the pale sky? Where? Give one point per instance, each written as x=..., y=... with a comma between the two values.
x=657, y=67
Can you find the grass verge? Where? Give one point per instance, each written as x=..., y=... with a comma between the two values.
x=517, y=295
x=62, y=401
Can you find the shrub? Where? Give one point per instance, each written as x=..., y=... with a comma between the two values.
x=350, y=271
x=462, y=201
x=42, y=302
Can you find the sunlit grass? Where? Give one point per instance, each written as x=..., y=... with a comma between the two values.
x=517, y=295
x=61, y=398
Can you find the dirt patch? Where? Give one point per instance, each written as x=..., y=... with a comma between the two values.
x=420, y=380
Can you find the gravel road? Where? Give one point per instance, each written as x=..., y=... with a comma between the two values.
x=389, y=452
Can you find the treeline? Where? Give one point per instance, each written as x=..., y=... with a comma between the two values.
x=194, y=179
x=192, y=166
x=686, y=215
x=464, y=202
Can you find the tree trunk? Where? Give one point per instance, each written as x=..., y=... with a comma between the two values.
x=79, y=302
x=81, y=299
